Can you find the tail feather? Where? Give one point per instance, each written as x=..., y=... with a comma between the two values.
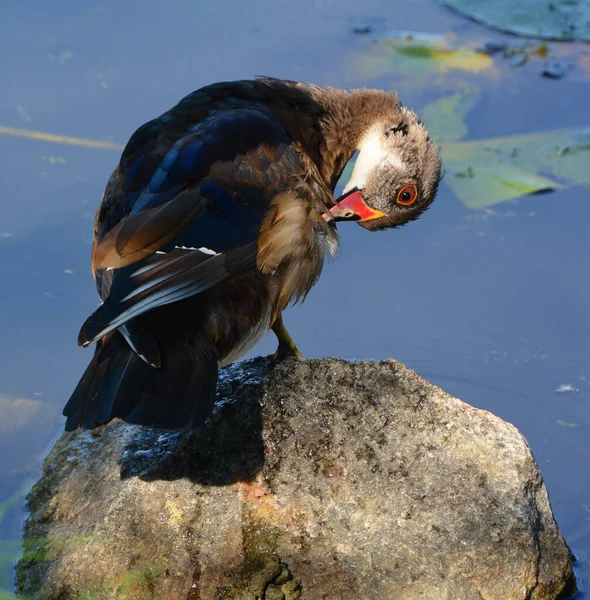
x=170, y=400
x=111, y=383
x=119, y=383
x=143, y=342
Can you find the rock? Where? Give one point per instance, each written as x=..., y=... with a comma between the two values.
x=317, y=479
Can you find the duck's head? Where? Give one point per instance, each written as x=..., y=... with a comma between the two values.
x=395, y=176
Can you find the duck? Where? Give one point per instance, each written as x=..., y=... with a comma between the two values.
x=219, y=215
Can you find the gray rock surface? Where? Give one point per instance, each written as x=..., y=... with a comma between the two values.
x=317, y=479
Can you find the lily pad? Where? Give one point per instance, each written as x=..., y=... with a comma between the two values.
x=525, y=164
x=486, y=172
x=543, y=19
x=445, y=118
x=420, y=54
x=562, y=153
x=491, y=184
x=566, y=423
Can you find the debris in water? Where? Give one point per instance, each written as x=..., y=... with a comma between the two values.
x=22, y=111
x=566, y=424
x=467, y=173
x=566, y=388
x=555, y=69
x=519, y=53
x=491, y=48
x=54, y=160
x=518, y=60
x=362, y=28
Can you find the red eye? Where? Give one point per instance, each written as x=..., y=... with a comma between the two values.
x=407, y=195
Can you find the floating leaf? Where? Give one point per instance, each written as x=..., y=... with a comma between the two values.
x=566, y=424
x=490, y=171
x=577, y=141
x=418, y=53
x=544, y=19
x=486, y=185
x=60, y=139
x=560, y=154
x=445, y=118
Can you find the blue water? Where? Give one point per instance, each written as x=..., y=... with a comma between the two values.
x=493, y=308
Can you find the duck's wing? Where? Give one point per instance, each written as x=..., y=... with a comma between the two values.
x=173, y=226
x=221, y=175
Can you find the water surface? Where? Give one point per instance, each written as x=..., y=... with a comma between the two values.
x=490, y=306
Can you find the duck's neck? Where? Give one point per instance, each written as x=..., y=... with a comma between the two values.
x=347, y=118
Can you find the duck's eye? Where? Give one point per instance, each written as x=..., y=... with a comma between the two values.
x=407, y=195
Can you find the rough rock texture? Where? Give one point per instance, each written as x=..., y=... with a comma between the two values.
x=315, y=480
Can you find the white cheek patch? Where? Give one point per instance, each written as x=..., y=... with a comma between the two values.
x=372, y=154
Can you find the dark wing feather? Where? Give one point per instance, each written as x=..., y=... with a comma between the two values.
x=141, y=234
x=197, y=175
x=190, y=273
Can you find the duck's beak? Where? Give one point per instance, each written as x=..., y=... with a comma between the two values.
x=352, y=207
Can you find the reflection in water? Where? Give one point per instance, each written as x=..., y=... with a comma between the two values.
x=59, y=139
x=493, y=309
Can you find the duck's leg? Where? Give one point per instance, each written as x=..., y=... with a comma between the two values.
x=287, y=346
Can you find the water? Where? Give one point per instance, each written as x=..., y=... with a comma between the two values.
x=491, y=307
